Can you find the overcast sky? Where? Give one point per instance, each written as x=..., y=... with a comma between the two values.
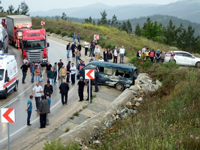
x=44, y=5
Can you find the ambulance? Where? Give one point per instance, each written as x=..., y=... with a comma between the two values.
x=8, y=74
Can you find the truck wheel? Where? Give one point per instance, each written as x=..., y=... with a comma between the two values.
x=5, y=94
x=119, y=87
x=198, y=65
x=16, y=87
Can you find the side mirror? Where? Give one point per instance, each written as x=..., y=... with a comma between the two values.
x=7, y=79
x=47, y=44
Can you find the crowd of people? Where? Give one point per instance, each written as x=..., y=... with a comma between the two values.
x=145, y=54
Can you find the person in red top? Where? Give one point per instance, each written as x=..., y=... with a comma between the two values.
x=152, y=55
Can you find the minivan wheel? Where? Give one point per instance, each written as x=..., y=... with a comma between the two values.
x=119, y=86
x=5, y=94
x=198, y=65
x=16, y=87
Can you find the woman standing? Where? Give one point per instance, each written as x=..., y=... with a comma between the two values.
x=105, y=55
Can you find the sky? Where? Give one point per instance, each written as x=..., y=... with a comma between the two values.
x=44, y=5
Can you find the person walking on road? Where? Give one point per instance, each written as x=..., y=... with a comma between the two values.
x=51, y=75
x=48, y=67
x=79, y=37
x=90, y=90
x=37, y=74
x=29, y=109
x=115, y=55
x=96, y=80
x=48, y=88
x=68, y=71
x=73, y=73
x=49, y=102
x=62, y=73
x=121, y=53
x=36, y=91
x=43, y=110
x=79, y=47
x=60, y=64
x=73, y=47
x=32, y=70
x=40, y=67
x=24, y=69
x=86, y=44
x=78, y=55
x=55, y=68
x=74, y=37
x=81, y=85
x=64, y=88
x=96, y=52
x=68, y=48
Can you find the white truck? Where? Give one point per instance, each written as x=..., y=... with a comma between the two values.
x=4, y=40
x=8, y=74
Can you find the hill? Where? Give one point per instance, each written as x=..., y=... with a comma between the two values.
x=184, y=9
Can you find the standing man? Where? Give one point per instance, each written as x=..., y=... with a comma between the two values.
x=60, y=64
x=90, y=90
x=37, y=73
x=152, y=55
x=79, y=37
x=115, y=55
x=55, y=68
x=74, y=37
x=79, y=47
x=68, y=70
x=96, y=52
x=24, y=69
x=48, y=67
x=73, y=73
x=32, y=70
x=40, y=67
x=43, y=110
x=62, y=73
x=68, y=48
x=158, y=55
x=73, y=47
x=121, y=53
x=49, y=102
x=81, y=85
x=29, y=109
x=48, y=88
x=64, y=88
x=78, y=55
x=51, y=75
x=109, y=56
x=143, y=52
x=96, y=80
x=86, y=44
x=36, y=91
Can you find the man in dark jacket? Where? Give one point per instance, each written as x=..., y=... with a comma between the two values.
x=81, y=85
x=48, y=88
x=68, y=70
x=109, y=56
x=43, y=110
x=51, y=75
x=24, y=68
x=79, y=47
x=73, y=47
x=96, y=80
x=32, y=70
x=64, y=88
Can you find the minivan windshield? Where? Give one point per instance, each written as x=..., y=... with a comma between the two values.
x=33, y=44
x=1, y=74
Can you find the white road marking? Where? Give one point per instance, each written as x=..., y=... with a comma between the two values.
x=36, y=118
x=15, y=99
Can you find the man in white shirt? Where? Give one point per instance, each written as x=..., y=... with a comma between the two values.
x=73, y=73
x=86, y=44
x=36, y=91
x=121, y=53
x=144, y=49
x=96, y=52
x=101, y=58
x=115, y=55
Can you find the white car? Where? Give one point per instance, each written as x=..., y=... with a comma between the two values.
x=182, y=58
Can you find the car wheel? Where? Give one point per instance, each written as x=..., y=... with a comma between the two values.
x=16, y=87
x=5, y=94
x=198, y=65
x=119, y=87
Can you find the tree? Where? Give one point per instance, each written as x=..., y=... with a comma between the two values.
x=88, y=20
x=147, y=23
x=93, y=22
x=114, y=22
x=129, y=27
x=137, y=30
x=1, y=9
x=17, y=11
x=64, y=16
x=124, y=26
x=103, y=20
x=10, y=10
x=24, y=9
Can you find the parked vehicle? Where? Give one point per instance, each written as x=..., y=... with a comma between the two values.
x=34, y=46
x=182, y=58
x=15, y=25
x=3, y=21
x=119, y=76
x=8, y=74
x=3, y=40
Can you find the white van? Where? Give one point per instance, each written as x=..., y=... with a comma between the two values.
x=8, y=74
x=4, y=41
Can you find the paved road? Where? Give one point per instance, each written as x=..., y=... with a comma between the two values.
x=18, y=100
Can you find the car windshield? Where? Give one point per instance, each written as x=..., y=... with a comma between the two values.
x=32, y=44
x=1, y=74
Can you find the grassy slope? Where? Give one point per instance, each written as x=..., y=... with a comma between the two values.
x=109, y=37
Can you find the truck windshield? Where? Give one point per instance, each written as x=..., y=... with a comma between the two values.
x=32, y=44
x=1, y=74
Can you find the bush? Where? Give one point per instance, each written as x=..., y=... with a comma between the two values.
x=64, y=33
x=58, y=31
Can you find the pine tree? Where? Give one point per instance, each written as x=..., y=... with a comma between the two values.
x=103, y=20
x=24, y=9
x=114, y=22
x=129, y=27
x=10, y=10
x=124, y=27
x=17, y=11
x=93, y=22
x=64, y=16
x=137, y=30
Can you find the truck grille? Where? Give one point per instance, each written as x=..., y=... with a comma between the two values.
x=35, y=56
